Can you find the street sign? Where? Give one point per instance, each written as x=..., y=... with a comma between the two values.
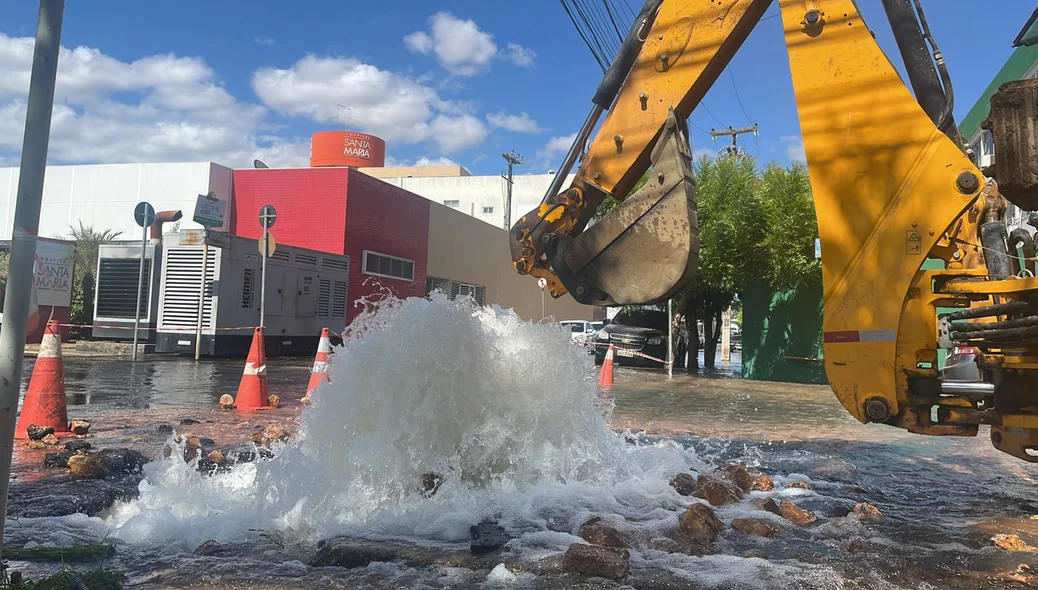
x=271, y=245
x=144, y=214
x=542, y=283
x=218, y=239
x=267, y=215
x=209, y=211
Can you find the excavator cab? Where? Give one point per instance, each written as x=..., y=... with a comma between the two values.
x=893, y=187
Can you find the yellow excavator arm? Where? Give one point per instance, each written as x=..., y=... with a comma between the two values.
x=891, y=184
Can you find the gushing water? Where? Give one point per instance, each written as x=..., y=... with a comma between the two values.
x=506, y=412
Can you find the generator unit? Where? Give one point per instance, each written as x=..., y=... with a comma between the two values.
x=115, y=292
x=305, y=292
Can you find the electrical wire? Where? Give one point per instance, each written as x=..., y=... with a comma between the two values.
x=580, y=32
x=737, y=97
x=703, y=104
x=613, y=20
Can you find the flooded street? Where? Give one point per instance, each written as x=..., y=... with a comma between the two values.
x=513, y=430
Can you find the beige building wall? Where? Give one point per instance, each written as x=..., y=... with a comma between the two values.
x=468, y=250
x=415, y=171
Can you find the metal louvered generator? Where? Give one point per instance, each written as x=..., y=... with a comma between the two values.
x=306, y=291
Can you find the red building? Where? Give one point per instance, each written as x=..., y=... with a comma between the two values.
x=382, y=228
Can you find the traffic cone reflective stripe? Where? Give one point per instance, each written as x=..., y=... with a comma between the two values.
x=320, y=371
x=605, y=376
x=252, y=391
x=44, y=403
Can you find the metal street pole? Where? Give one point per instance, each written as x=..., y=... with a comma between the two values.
x=542, y=304
x=670, y=338
x=35, y=142
x=201, y=293
x=263, y=279
x=140, y=281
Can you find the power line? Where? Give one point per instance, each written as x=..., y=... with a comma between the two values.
x=615, y=27
x=582, y=35
x=703, y=104
x=732, y=76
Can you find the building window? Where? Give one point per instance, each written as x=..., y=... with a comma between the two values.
x=454, y=203
x=383, y=265
x=477, y=292
x=435, y=284
x=989, y=143
x=488, y=210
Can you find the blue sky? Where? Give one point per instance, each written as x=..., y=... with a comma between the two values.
x=461, y=81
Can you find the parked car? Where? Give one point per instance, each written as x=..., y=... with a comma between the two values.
x=581, y=331
x=638, y=331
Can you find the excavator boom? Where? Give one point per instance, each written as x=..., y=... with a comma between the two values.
x=892, y=188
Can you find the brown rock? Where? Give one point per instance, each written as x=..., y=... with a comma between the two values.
x=216, y=456
x=751, y=553
x=210, y=547
x=274, y=433
x=717, y=491
x=766, y=504
x=593, y=560
x=684, y=484
x=1012, y=543
x=89, y=466
x=700, y=523
x=737, y=474
x=798, y=484
x=35, y=445
x=679, y=542
x=79, y=427
x=867, y=512
x=431, y=482
x=858, y=546
x=305, y=400
x=256, y=437
x=226, y=402
x=596, y=532
x=274, y=400
x=763, y=483
x=51, y=440
x=755, y=526
x=795, y=514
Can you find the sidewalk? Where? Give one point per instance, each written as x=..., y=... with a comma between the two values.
x=88, y=349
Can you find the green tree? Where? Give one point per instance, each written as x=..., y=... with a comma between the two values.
x=791, y=227
x=88, y=242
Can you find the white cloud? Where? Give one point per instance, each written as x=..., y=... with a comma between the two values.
x=556, y=146
x=392, y=106
x=521, y=123
x=157, y=108
x=461, y=47
x=263, y=41
x=794, y=146
x=519, y=55
x=441, y=161
x=419, y=42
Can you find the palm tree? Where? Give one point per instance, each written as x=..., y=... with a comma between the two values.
x=88, y=242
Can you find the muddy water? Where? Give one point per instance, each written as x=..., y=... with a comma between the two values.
x=943, y=498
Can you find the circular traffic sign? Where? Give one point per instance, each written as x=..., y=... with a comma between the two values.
x=542, y=283
x=267, y=215
x=144, y=214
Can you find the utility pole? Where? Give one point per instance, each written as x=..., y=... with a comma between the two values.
x=734, y=148
x=513, y=159
x=35, y=141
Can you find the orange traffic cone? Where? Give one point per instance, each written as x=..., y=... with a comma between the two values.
x=252, y=391
x=320, y=371
x=44, y=403
x=605, y=376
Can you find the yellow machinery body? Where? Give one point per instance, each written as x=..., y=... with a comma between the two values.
x=890, y=191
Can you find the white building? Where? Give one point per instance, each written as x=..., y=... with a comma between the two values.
x=482, y=197
x=103, y=196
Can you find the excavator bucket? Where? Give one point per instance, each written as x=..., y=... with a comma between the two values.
x=647, y=248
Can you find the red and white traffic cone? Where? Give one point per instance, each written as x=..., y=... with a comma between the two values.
x=252, y=391
x=605, y=376
x=320, y=371
x=44, y=403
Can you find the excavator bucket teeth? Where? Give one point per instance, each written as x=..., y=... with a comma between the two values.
x=647, y=248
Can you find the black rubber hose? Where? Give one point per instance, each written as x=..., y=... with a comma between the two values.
x=624, y=60
x=1021, y=238
x=918, y=62
x=993, y=238
x=989, y=311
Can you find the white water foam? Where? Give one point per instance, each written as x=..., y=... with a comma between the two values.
x=507, y=411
